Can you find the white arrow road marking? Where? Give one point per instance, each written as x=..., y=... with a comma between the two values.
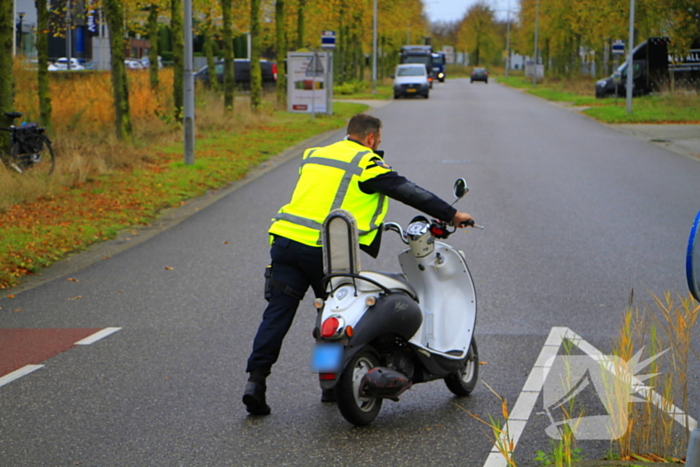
x=522, y=410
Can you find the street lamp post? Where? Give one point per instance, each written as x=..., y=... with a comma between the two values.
x=374, y=50
x=537, y=21
x=508, y=41
x=188, y=97
x=69, y=35
x=630, y=60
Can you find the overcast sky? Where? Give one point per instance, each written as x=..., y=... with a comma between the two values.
x=454, y=10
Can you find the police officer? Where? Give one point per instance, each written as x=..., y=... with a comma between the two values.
x=351, y=175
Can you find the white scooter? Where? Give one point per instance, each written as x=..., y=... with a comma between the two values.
x=377, y=333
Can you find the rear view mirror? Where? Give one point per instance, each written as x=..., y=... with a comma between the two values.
x=460, y=188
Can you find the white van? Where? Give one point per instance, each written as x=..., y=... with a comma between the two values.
x=411, y=79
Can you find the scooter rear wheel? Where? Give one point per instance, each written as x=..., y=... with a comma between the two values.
x=464, y=380
x=358, y=409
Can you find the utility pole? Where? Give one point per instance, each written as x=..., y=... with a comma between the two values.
x=374, y=50
x=630, y=60
x=188, y=82
x=69, y=34
x=508, y=41
x=537, y=24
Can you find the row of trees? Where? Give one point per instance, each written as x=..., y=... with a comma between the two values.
x=275, y=26
x=565, y=27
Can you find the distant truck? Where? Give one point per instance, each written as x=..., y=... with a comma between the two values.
x=653, y=69
x=419, y=54
x=439, y=66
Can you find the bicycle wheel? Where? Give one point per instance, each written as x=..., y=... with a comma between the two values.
x=41, y=162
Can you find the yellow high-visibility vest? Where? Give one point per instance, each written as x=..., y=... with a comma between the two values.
x=329, y=178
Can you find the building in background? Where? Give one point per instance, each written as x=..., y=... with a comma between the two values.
x=77, y=30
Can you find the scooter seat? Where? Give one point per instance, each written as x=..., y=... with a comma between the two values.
x=392, y=281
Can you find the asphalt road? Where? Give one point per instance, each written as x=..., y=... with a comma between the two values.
x=577, y=215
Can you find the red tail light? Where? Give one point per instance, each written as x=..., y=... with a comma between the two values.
x=330, y=327
x=274, y=70
x=326, y=376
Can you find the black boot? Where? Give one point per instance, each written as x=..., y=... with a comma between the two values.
x=254, y=395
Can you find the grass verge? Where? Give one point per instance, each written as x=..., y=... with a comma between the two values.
x=661, y=108
x=69, y=217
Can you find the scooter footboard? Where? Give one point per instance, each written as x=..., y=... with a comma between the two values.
x=437, y=366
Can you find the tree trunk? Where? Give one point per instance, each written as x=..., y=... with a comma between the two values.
x=6, y=81
x=211, y=60
x=176, y=20
x=229, y=76
x=300, y=24
x=115, y=21
x=153, y=49
x=42, y=47
x=281, y=55
x=255, y=72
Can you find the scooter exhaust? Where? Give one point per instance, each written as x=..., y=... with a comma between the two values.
x=384, y=383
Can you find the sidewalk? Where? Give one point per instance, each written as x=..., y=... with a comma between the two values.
x=681, y=139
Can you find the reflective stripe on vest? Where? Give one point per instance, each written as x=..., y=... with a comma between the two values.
x=349, y=168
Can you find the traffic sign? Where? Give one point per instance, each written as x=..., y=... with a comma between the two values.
x=618, y=48
x=328, y=39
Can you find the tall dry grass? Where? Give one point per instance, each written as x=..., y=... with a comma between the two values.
x=83, y=129
x=654, y=424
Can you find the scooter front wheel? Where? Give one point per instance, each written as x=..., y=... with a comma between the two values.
x=464, y=380
x=357, y=408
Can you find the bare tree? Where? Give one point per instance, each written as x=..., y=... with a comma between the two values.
x=229, y=76
x=255, y=72
x=6, y=79
x=177, y=28
x=281, y=54
x=153, y=49
x=115, y=21
x=42, y=47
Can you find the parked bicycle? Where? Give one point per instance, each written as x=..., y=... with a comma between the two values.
x=30, y=148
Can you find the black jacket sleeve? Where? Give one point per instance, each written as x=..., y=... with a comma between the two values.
x=397, y=187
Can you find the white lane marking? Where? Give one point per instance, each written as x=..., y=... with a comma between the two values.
x=522, y=410
x=25, y=370
x=97, y=336
x=527, y=399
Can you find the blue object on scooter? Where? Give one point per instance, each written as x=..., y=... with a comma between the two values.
x=692, y=263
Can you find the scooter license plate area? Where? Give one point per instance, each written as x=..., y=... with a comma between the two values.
x=326, y=357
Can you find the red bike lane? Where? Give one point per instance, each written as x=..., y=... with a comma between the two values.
x=20, y=347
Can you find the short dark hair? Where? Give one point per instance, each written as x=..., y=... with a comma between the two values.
x=362, y=125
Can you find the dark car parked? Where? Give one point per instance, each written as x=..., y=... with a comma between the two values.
x=241, y=69
x=480, y=74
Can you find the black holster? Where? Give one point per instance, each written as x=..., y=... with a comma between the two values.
x=271, y=282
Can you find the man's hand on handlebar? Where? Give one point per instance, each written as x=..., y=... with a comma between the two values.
x=462, y=219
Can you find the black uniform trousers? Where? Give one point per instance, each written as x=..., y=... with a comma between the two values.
x=297, y=266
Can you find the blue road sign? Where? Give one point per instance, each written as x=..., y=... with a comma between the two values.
x=328, y=39
x=618, y=48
